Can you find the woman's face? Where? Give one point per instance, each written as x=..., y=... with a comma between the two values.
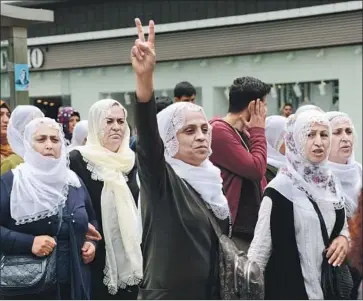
x=317, y=143
x=193, y=139
x=72, y=122
x=4, y=120
x=115, y=128
x=342, y=143
x=46, y=141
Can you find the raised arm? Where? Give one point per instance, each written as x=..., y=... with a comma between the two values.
x=149, y=147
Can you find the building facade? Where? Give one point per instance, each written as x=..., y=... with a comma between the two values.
x=309, y=54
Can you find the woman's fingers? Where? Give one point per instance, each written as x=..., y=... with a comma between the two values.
x=331, y=249
x=140, y=30
x=340, y=259
x=136, y=53
x=335, y=255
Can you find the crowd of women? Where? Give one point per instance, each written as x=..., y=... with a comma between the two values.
x=110, y=223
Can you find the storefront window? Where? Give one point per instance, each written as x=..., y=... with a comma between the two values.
x=50, y=105
x=324, y=94
x=127, y=99
x=5, y=87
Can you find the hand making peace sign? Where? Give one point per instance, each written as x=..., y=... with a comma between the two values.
x=143, y=52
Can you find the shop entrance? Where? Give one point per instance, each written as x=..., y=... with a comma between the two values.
x=50, y=104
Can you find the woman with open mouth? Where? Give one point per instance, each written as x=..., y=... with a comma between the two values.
x=288, y=243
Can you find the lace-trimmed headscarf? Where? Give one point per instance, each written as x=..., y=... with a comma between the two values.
x=20, y=117
x=274, y=130
x=206, y=178
x=315, y=180
x=40, y=185
x=305, y=108
x=350, y=174
x=118, y=208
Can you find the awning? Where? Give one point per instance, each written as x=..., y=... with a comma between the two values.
x=15, y=16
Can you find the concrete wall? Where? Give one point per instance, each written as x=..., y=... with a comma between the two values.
x=341, y=63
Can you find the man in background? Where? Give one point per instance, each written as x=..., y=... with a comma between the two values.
x=184, y=91
x=239, y=150
x=287, y=110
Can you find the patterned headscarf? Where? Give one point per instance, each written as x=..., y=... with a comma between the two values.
x=5, y=149
x=314, y=179
x=64, y=116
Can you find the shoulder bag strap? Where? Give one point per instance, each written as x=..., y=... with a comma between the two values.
x=324, y=231
x=212, y=219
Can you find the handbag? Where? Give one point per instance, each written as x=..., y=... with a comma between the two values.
x=239, y=277
x=336, y=282
x=29, y=274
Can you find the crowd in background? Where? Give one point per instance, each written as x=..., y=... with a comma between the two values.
x=146, y=212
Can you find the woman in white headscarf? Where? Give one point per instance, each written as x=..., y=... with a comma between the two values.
x=305, y=108
x=274, y=131
x=44, y=205
x=178, y=184
x=288, y=243
x=79, y=136
x=19, y=118
x=106, y=165
x=342, y=161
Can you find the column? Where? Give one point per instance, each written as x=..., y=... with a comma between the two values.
x=17, y=54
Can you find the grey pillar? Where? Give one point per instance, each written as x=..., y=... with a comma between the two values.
x=17, y=54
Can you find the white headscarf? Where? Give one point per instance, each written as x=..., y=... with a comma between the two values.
x=306, y=108
x=206, y=178
x=274, y=131
x=41, y=183
x=20, y=117
x=350, y=174
x=80, y=133
x=315, y=180
x=119, y=213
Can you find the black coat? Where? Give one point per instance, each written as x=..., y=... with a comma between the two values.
x=179, y=244
x=99, y=290
x=18, y=239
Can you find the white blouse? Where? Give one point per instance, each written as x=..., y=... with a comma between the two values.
x=309, y=240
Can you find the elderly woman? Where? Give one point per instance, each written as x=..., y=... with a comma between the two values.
x=106, y=165
x=80, y=133
x=180, y=247
x=288, y=242
x=44, y=206
x=342, y=161
x=274, y=131
x=68, y=118
x=5, y=149
x=20, y=117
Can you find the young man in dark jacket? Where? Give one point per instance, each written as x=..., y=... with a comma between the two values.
x=240, y=151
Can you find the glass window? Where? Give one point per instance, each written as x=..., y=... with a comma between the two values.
x=324, y=94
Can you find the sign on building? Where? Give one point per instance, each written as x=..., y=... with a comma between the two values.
x=35, y=58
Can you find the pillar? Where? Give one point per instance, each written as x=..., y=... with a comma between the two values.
x=17, y=54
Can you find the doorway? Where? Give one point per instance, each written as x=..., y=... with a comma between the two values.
x=50, y=105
